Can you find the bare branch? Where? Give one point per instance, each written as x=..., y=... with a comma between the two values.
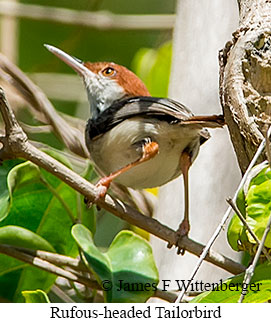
x=56, y=259
x=72, y=137
x=98, y=20
x=50, y=262
x=47, y=266
x=16, y=147
x=9, y=119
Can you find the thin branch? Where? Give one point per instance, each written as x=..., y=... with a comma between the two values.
x=61, y=294
x=71, y=136
x=240, y=216
x=9, y=119
x=98, y=20
x=50, y=262
x=47, y=266
x=15, y=147
x=55, y=259
x=36, y=129
x=267, y=147
x=250, y=270
x=224, y=219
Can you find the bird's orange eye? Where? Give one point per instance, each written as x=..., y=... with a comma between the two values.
x=108, y=71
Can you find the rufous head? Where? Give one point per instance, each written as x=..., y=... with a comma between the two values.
x=105, y=82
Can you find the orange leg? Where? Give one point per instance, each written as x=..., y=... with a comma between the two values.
x=185, y=163
x=150, y=150
x=184, y=227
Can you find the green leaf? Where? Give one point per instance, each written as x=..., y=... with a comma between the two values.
x=235, y=230
x=259, y=210
x=153, y=67
x=35, y=296
x=254, y=202
x=128, y=260
x=42, y=204
x=5, y=196
x=21, y=237
x=16, y=276
x=259, y=290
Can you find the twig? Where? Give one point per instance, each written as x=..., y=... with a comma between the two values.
x=267, y=147
x=36, y=129
x=71, y=136
x=18, y=146
x=240, y=216
x=224, y=219
x=50, y=262
x=47, y=266
x=61, y=294
x=98, y=20
x=56, y=259
x=250, y=270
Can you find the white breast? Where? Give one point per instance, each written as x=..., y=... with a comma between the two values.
x=116, y=149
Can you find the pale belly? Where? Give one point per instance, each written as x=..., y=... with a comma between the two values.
x=116, y=149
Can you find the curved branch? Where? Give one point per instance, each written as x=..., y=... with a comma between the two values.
x=72, y=137
x=18, y=146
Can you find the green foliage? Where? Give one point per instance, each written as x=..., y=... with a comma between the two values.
x=38, y=213
x=18, y=236
x=35, y=296
x=258, y=291
x=4, y=192
x=254, y=202
x=129, y=259
x=153, y=67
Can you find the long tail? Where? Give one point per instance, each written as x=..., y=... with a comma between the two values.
x=213, y=121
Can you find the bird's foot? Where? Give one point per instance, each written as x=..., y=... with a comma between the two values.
x=184, y=228
x=182, y=231
x=101, y=187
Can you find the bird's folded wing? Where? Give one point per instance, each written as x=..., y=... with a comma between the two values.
x=159, y=108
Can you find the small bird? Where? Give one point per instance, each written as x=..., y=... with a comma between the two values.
x=135, y=139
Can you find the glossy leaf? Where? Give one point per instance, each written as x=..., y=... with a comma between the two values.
x=45, y=206
x=5, y=196
x=259, y=290
x=128, y=260
x=254, y=202
x=258, y=210
x=35, y=296
x=21, y=237
x=16, y=275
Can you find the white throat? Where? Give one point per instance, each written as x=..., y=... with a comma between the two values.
x=102, y=92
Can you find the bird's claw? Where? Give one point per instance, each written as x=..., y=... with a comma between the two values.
x=182, y=231
x=184, y=228
x=101, y=190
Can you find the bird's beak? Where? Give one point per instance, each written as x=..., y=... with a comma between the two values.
x=76, y=64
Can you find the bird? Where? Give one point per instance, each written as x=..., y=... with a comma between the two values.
x=135, y=139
